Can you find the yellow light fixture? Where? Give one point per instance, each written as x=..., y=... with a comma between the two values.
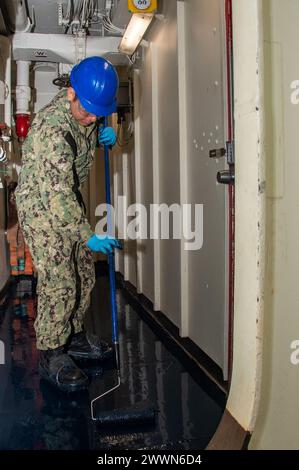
x=134, y=32
x=142, y=6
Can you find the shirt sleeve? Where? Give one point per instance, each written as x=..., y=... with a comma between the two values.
x=56, y=184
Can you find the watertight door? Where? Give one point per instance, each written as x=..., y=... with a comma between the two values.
x=203, y=78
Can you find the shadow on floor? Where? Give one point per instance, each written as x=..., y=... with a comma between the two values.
x=33, y=415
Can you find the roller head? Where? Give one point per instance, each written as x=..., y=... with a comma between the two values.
x=141, y=413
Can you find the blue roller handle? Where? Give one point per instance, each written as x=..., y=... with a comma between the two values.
x=111, y=255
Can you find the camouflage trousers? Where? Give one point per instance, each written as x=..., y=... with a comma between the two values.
x=66, y=277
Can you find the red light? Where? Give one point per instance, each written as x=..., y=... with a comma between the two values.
x=22, y=125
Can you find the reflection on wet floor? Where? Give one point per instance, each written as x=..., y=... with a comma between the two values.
x=33, y=415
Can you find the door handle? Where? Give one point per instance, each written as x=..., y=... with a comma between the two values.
x=226, y=177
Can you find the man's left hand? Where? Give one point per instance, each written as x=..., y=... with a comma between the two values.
x=107, y=136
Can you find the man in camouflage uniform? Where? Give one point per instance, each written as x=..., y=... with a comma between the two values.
x=57, y=156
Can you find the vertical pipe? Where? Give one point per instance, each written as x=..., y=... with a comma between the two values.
x=23, y=96
x=7, y=106
x=23, y=92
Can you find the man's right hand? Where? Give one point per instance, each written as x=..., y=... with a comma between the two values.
x=103, y=244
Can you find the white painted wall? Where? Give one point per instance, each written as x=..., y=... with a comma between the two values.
x=165, y=157
x=153, y=167
x=179, y=99
x=146, y=247
x=278, y=413
x=167, y=177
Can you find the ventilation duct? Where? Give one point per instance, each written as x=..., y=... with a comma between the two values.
x=60, y=48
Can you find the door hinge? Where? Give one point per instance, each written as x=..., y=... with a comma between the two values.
x=230, y=152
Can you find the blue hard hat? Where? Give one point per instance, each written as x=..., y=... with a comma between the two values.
x=95, y=82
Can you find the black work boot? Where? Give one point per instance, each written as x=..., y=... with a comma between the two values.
x=60, y=370
x=86, y=346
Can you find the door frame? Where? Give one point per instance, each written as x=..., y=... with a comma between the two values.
x=250, y=216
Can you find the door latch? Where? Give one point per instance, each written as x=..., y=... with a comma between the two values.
x=226, y=176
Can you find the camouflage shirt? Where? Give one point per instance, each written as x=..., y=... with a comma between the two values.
x=57, y=156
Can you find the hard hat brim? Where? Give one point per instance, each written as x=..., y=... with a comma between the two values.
x=97, y=110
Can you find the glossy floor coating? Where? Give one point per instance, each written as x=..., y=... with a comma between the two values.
x=33, y=415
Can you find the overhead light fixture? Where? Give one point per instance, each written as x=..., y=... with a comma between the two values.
x=134, y=32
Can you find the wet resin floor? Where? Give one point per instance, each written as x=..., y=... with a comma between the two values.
x=33, y=415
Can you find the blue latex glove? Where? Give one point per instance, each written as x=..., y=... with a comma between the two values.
x=103, y=244
x=107, y=136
